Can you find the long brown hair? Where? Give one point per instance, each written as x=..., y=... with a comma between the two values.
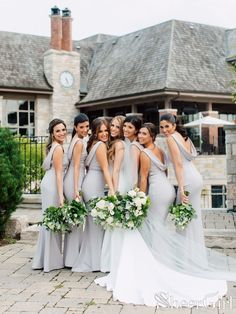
x=51, y=127
x=95, y=128
x=174, y=120
x=111, y=149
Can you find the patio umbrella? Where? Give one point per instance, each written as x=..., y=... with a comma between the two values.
x=207, y=121
x=204, y=122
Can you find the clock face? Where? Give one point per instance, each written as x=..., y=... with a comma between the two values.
x=66, y=79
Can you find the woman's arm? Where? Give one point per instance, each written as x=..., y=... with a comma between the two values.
x=178, y=166
x=144, y=171
x=58, y=165
x=135, y=155
x=119, y=156
x=77, y=151
x=101, y=155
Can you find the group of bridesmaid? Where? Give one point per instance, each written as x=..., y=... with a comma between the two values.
x=118, y=154
x=142, y=264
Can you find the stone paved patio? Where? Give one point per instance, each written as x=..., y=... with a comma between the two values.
x=24, y=290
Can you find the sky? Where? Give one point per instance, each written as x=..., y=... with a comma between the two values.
x=115, y=17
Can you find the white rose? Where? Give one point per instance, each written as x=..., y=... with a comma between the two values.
x=141, y=194
x=101, y=204
x=127, y=206
x=109, y=220
x=101, y=215
x=130, y=224
x=137, y=202
x=132, y=193
x=94, y=212
x=110, y=206
x=143, y=201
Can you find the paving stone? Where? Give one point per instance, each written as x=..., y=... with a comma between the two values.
x=137, y=309
x=103, y=309
x=27, y=306
x=51, y=310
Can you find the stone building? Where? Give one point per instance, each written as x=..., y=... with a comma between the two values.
x=175, y=66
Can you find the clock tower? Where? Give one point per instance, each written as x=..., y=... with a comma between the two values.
x=62, y=68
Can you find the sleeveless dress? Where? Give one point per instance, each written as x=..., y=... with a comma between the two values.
x=107, y=245
x=49, y=246
x=193, y=234
x=89, y=258
x=72, y=240
x=140, y=278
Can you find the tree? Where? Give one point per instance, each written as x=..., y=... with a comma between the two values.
x=11, y=177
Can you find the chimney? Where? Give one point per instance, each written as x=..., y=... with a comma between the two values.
x=66, y=43
x=56, y=28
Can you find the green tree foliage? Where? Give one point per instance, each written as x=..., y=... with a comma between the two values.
x=11, y=177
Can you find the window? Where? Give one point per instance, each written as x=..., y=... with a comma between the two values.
x=20, y=116
x=218, y=196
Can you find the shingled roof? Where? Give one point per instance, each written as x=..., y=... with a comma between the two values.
x=174, y=55
x=21, y=59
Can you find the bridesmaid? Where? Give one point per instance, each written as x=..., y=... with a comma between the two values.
x=73, y=181
x=182, y=153
x=89, y=258
x=131, y=128
x=115, y=159
x=48, y=254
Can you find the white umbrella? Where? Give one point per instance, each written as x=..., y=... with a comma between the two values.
x=206, y=121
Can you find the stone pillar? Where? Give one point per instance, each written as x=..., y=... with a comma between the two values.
x=134, y=109
x=1, y=111
x=230, y=141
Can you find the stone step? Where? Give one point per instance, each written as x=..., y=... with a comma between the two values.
x=34, y=206
x=30, y=234
x=31, y=198
x=220, y=238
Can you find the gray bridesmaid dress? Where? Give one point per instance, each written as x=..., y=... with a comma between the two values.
x=193, y=234
x=48, y=254
x=89, y=258
x=72, y=240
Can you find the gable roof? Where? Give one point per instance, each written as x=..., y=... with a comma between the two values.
x=174, y=55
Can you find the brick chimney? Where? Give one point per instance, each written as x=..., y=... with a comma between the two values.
x=56, y=28
x=66, y=43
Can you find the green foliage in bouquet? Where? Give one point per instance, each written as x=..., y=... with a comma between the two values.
x=11, y=177
x=75, y=213
x=182, y=214
x=120, y=211
x=62, y=219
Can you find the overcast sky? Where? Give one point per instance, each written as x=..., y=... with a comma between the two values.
x=116, y=17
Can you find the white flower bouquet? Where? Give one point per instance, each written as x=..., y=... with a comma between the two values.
x=182, y=214
x=120, y=211
x=62, y=219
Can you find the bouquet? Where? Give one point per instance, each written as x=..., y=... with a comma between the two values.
x=182, y=214
x=120, y=211
x=106, y=211
x=61, y=219
x=135, y=204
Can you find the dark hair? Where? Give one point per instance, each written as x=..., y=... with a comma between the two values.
x=51, y=126
x=174, y=120
x=152, y=129
x=135, y=120
x=95, y=128
x=111, y=149
x=80, y=118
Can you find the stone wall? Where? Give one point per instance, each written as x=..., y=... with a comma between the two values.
x=230, y=140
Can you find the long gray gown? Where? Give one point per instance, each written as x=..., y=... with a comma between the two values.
x=72, y=240
x=193, y=184
x=48, y=255
x=89, y=258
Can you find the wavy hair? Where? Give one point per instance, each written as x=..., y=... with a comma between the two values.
x=51, y=127
x=111, y=148
x=95, y=128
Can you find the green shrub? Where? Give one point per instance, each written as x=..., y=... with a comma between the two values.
x=11, y=177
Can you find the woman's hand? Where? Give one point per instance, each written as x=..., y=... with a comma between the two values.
x=77, y=195
x=183, y=197
x=62, y=200
x=111, y=192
